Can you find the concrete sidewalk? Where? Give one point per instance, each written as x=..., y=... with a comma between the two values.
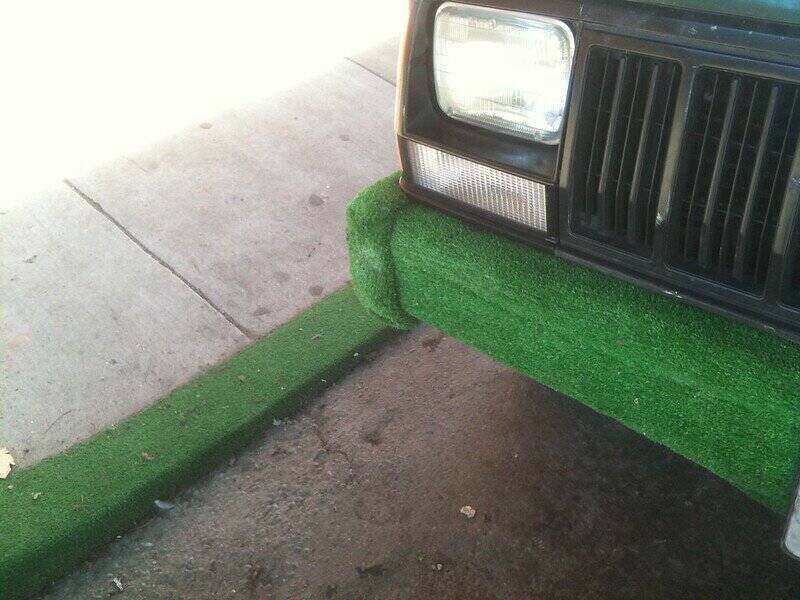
x=124, y=281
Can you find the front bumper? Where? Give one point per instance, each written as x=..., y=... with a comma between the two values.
x=723, y=395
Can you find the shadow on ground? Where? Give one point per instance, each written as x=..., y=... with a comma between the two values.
x=360, y=497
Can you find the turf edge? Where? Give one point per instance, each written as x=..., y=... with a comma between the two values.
x=59, y=512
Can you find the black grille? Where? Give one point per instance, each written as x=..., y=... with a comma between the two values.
x=626, y=111
x=741, y=135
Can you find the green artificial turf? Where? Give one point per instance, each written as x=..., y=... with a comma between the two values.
x=371, y=216
x=56, y=513
x=721, y=394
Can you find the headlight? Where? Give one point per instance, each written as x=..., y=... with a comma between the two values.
x=505, y=70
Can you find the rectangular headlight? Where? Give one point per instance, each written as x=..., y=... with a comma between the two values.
x=505, y=70
x=504, y=194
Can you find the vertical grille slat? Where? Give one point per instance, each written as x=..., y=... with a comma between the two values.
x=628, y=100
x=628, y=150
x=745, y=242
x=791, y=271
x=690, y=229
x=725, y=246
x=600, y=128
x=660, y=144
x=776, y=189
x=636, y=200
x=707, y=241
x=786, y=264
x=741, y=135
x=610, y=152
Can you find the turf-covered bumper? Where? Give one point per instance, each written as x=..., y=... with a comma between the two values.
x=721, y=394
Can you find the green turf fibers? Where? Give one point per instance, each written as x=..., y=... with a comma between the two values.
x=724, y=395
x=104, y=486
x=371, y=217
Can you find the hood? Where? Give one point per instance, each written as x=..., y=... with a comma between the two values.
x=781, y=11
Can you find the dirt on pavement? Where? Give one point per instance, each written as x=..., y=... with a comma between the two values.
x=361, y=496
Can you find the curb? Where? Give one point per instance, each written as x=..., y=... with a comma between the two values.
x=57, y=513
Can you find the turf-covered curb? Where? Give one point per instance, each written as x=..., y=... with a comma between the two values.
x=62, y=509
x=724, y=395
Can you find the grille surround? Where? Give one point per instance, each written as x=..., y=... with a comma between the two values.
x=777, y=307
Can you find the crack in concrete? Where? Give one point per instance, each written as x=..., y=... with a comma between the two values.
x=96, y=206
x=328, y=447
x=368, y=70
x=53, y=424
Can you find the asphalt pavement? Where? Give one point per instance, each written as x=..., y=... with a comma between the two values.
x=368, y=492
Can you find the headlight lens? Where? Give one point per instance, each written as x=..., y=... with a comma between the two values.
x=505, y=70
